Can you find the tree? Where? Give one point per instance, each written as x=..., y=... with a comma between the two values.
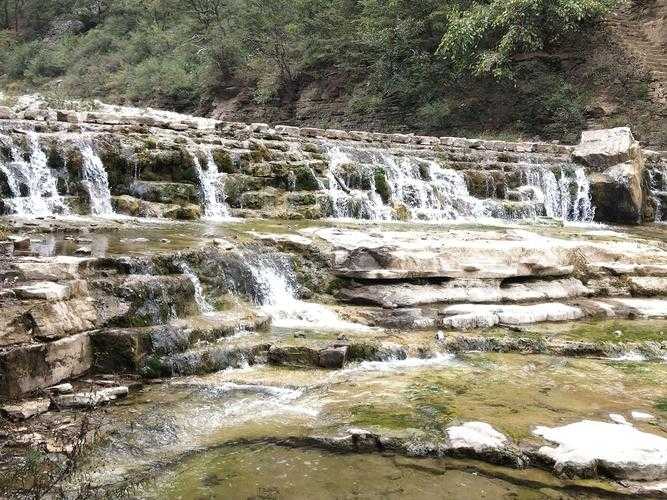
x=486, y=37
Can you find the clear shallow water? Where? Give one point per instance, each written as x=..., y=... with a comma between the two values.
x=267, y=471
x=185, y=430
x=211, y=435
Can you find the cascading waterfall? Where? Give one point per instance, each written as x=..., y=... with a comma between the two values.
x=32, y=184
x=214, y=206
x=275, y=290
x=423, y=188
x=349, y=203
x=566, y=197
x=658, y=189
x=95, y=179
x=200, y=298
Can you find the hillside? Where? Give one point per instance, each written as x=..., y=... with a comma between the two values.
x=355, y=65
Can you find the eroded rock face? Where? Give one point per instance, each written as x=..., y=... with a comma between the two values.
x=618, y=194
x=29, y=367
x=617, y=187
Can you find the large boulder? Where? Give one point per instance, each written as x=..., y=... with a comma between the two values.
x=616, y=188
x=618, y=195
x=601, y=149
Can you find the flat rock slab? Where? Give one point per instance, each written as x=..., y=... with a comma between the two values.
x=36, y=366
x=478, y=292
x=51, y=268
x=46, y=290
x=26, y=409
x=466, y=254
x=470, y=316
x=91, y=399
x=589, y=448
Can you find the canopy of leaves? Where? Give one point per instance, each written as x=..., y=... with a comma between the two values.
x=412, y=61
x=485, y=37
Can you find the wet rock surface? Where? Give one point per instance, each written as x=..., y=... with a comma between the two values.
x=492, y=342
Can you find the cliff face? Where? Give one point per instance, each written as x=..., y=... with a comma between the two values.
x=158, y=164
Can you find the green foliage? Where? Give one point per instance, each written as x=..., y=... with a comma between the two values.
x=434, y=66
x=486, y=37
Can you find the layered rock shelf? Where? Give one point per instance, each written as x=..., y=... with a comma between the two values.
x=216, y=279
x=174, y=166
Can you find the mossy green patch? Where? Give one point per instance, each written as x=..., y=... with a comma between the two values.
x=224, y=161
x=661, y=405
x=619, y=331
x=382, y=185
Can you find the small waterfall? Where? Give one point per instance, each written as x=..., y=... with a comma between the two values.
x=567, y=197
x=202, y=303
x=350, y=203
x=275, y=290
x=95, y=180
x=214, y=206
x=31, y=182
x=657, y=181
x=422, y=188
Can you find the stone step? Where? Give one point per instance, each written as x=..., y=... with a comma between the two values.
x=27, y=368
x=132, y=350
x=457, y=291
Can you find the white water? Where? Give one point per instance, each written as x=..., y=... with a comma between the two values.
x=395, y=365
x=276, y=287
x=658, y=187
x=425, y=189
x=566, y=197
x=428, y=191
x=95, y=180
x=209, y=178
x=34, y=178
x=200, y=298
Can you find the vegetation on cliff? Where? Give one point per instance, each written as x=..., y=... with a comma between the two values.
x=504, y=67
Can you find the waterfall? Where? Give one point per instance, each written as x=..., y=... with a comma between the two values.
x=657, y=181
x=200, y=299
x=567, y=197
x=351, y=203
x=275, y=290
x=95, y=180
x=31, y=182
x=422, y=189
x=214, y=206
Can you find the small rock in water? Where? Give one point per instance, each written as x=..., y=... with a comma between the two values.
x=165, y=240
x=342, y=337
x=440, y=335
x=642, y=417
x=618, y=333
x=299, y=335
x=83, y=251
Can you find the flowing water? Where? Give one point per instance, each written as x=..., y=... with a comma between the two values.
x=95, y=179
x=275, y=289
x=658, y=187
x=420, y=189
x=200, y=298
x=425, y=189
x=566, y=197
x=32, y=183
x=211, y=185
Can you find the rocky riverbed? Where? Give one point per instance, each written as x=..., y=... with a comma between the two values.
x=455, y=353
